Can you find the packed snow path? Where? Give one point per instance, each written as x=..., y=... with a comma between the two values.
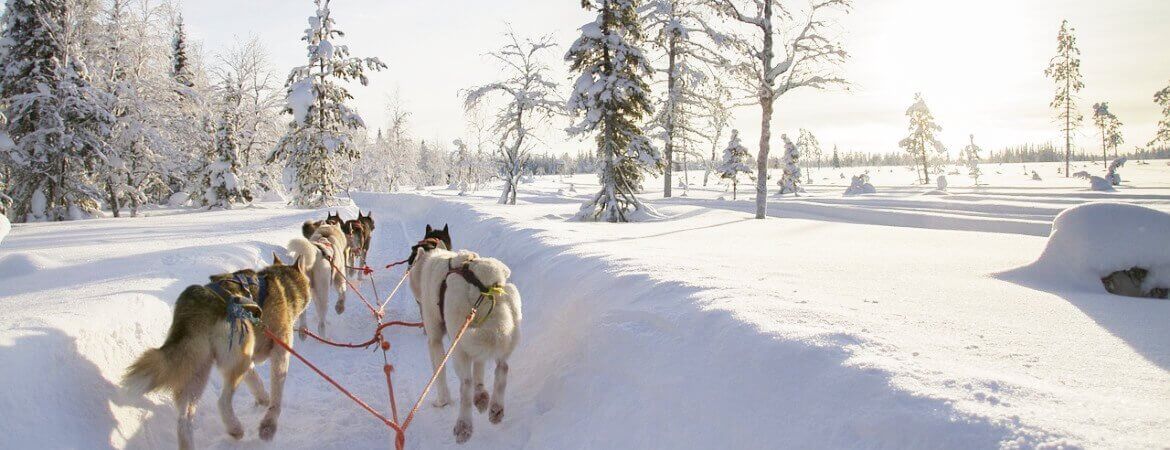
x=706, y=330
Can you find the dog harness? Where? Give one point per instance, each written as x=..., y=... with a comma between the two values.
x=485, y=292
x=242, y=308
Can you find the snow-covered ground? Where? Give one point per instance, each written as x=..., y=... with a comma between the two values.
x=890, y=320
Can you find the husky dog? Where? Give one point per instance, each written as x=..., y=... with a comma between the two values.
x=323, y=255
x=202, y=334
x=310, y=227
x=358, y=236
x=449, y=285
x=333, y=219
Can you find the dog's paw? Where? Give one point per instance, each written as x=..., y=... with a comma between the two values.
x=496, y=414
x=481, y=401
x=236, y=431
x=267, y=429
x=339, y=307
x=440, y=402
x=462, y=431
x=262, y=401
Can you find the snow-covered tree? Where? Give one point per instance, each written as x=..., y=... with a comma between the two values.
x=180, y=67
x=921, y=143
x=835, y=162
x=1110, y=128
x=971, y=159
x=1112, y=175
x=530, y=101
x=222, y=176
x=717, y=117
x=736, y=160
x=1065, y=71
x=808, y=57
x=680, y=31
x=808, y=145
x=247, y=93
x=1162, y=135
x=611, y=97
x=60, y=123
x=322, y=123
x=790, y=179
x=432, y=165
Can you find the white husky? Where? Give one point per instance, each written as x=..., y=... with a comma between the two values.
x=492, y=335
x=323, y=255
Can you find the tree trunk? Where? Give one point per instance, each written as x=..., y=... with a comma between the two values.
x=1104, y=149
x=766, y=104
x=668, y=152
x=1067, y=125
x=734, y=186
x=114, y=206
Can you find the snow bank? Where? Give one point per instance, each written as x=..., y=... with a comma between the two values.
x=5, y=227
x=1093, y=240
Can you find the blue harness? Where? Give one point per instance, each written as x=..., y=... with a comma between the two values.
x=242, y=308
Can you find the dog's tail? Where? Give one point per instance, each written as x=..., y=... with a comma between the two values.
x=306, y=252
x=490, y=271
x=171, y=366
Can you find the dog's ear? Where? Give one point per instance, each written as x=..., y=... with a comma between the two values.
x=276, y=260
x=429, y=229
x=445, y=230
x=299, y=264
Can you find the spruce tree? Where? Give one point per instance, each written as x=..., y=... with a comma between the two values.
x=180, y=68
x=921, y=143
x=836, y=161
x=611, y=98
x=221, y=177
x=59, y=121
x=736, y=160
x=1065, y=71
x=790, y=179
x=322, y=123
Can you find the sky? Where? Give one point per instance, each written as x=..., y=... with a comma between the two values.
x=979, y=64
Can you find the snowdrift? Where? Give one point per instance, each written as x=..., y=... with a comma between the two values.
x=1091, y=241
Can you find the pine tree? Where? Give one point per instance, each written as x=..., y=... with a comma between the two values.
x=59, y=121
x=807, y=53
x=180, y=69
x=531, y=102
x=971, y=158
x=1065, y=70
x=790, y=179
x=1110, y=128
x=736, y=160
x=611, y=97
x=922, y=143
x=1162, y=98
x=322, y=123
x=836, y=161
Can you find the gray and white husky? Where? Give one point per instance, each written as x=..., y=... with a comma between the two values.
x=493, y=335
x=324, y=256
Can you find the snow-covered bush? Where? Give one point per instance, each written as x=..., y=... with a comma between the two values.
x=1097, y=183
x=1112, y=175
x=942, y=183
x=971, y=159
x=790, y=179
x=860, y=185
x=1093, y=241
x=1036, y=176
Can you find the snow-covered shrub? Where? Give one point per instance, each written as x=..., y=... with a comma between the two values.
x=1093, y=241
x=1097, y=183
x=1082, y=175
x=942, y=183
x=1036, y=176
x=860, y=185
x=736, y=160
x=1112, y=175
x=790, y=179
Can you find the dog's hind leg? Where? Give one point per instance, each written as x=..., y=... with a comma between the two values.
x=464, y=369
x=435, y=345
x=339, y=284
x=321, y=301
x=496, y=412
x=279, y=364
x=481, y=394
x=233, y=370
x=186, y=399
x=256, y=386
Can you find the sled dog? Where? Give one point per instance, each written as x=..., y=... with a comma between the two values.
x=209, y=329
x=323, y=255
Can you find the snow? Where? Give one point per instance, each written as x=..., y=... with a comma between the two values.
x=900, y=325
x=300, y=99
x=1093, y=240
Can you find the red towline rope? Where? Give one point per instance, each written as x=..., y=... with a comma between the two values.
x=366, y=344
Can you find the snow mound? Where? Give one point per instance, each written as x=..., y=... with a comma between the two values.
x=1097, y=183
x=1093, y=240
x=19, y=264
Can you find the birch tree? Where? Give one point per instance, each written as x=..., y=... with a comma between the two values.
x=780, y=53
x=1065, y=71
x=530, y=101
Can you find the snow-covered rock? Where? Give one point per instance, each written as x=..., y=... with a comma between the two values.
x=1093, y=240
